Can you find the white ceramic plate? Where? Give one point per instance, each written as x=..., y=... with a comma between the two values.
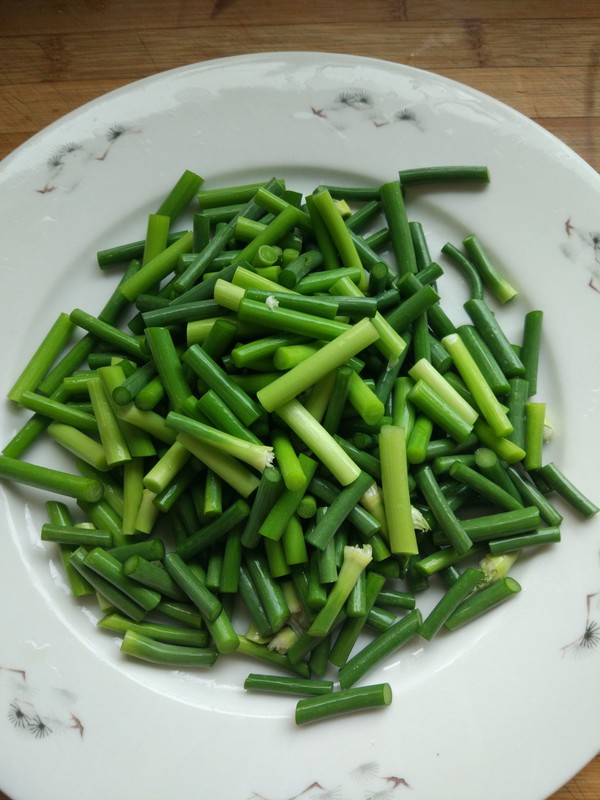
x=506, y=707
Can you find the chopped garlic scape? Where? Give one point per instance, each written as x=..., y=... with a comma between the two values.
x=496, y=567
x=419, y=521
x=372, y=501
x=359, y=555
x=356, y=558
x=283, y=640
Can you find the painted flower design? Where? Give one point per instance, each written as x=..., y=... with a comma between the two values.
x=37, y=711
x=67, y=165
x=589, y=638
x=365, y=781
x=582, y=247
x=356, y=106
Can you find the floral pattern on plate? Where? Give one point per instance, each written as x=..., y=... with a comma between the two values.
x=355, y=106
x=364, y=781
x=589, y=640
x=35, y=711
x=67, y=165
x=582, y=247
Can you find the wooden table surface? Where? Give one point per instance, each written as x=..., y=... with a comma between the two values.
x=542, y=57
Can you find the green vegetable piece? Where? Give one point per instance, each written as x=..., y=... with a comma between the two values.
x=343, y=702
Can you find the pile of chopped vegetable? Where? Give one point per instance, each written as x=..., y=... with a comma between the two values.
x=280, y=439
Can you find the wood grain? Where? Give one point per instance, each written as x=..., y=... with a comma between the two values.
x=542, y=57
